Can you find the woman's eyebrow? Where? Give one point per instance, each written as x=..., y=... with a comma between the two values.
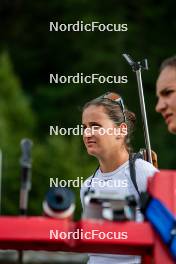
x=165, y=90
x=92, y=124
x=162, y=92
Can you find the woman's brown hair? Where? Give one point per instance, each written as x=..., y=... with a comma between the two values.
x=117, y=112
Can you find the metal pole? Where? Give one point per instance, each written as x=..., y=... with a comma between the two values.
x=144, y=115
x=26, y=165
x=137, y=66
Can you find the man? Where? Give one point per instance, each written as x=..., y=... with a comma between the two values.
x=166, y=93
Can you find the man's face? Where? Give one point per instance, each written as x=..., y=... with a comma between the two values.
x=166, y=93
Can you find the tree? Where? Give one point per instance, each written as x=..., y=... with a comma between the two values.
x=16, y=122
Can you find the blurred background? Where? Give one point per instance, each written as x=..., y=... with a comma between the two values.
x=29, y=104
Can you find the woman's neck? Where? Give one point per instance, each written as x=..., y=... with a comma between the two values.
x=113, y=161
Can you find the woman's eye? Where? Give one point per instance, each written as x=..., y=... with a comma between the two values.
x=96, y=127
x=168, y=92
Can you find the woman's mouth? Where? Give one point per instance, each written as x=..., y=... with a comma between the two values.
x=168, y=118
x=89, y=143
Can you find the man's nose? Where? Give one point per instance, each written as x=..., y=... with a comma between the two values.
x=161, y=105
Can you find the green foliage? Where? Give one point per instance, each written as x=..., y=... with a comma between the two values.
x=55, y=157
x=16, y=121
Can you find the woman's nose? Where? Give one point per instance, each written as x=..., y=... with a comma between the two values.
x=161, y=105
x=88, y=132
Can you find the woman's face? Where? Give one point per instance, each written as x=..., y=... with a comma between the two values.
x=166, y=93
x=95, y=122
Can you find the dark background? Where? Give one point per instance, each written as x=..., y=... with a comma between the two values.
x=29, y=104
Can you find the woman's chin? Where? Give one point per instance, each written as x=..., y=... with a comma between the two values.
x=92, y=152
x=172, y=128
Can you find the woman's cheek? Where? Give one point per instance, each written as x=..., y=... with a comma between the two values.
x=173, y=104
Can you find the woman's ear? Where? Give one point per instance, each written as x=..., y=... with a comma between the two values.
x=123, y=129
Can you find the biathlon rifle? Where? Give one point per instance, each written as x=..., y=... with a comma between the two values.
x=137, y=66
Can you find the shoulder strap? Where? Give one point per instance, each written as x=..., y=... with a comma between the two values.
x=88, y=189
x=133, y=157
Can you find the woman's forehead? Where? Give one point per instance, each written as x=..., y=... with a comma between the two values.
x=166, y=78
x=94, y=113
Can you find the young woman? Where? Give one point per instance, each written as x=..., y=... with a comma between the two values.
x=166, y=93
x=106, y=121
